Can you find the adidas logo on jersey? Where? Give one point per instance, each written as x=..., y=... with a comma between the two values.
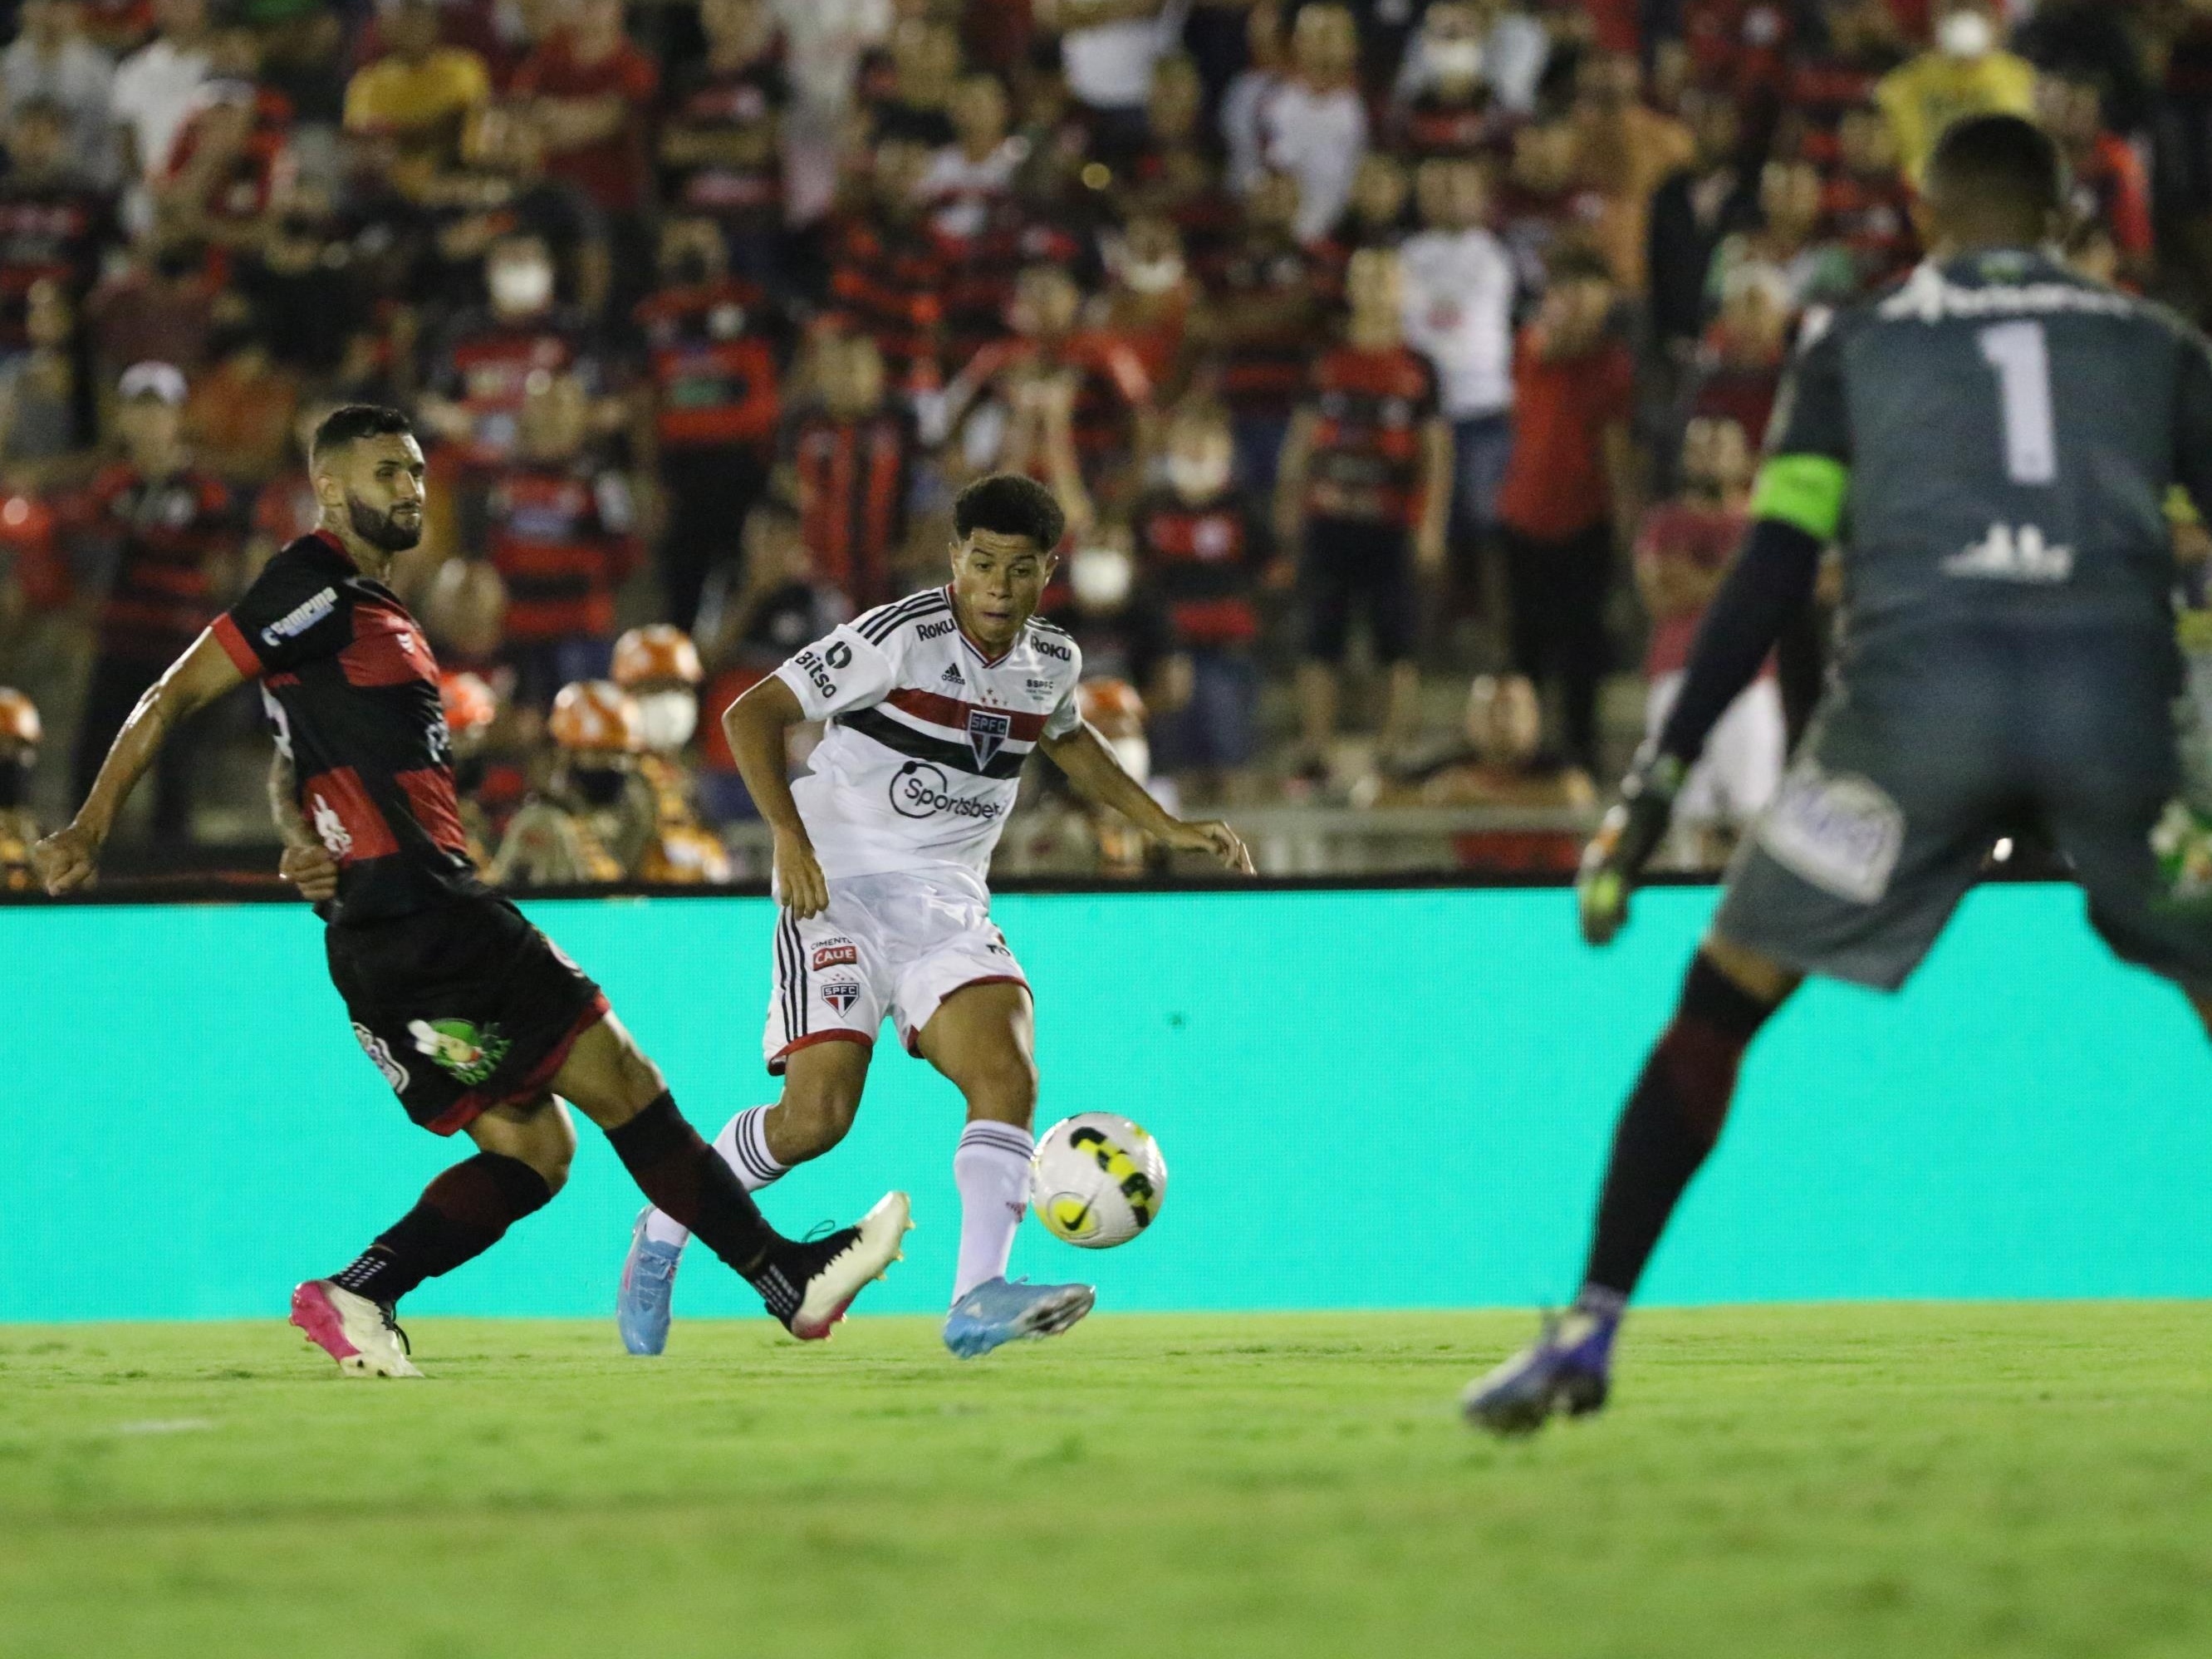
x=2006, y=554
x=952, y=676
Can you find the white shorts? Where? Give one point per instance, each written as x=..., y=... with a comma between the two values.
x=1741, y=767
x=897, y=944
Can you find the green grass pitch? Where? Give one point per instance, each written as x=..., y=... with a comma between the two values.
x=1787, y=1483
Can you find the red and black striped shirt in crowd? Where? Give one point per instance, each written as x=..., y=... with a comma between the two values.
x=980, y=278
x=887, y=281
x=563, y=539
x=1369, y=444
x=53, y=230
x=713, y=375
x=1268, y=297
x=485, y=361
x=167, y=538
x=742, y=189
x=351, y=692
x=1433, y=126
x=1202, y=559
x=854, y=477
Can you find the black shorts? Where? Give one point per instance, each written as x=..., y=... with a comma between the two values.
x=1354, y=564
x=462, y=1008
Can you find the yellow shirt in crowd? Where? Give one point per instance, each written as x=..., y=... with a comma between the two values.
x=1932, y=91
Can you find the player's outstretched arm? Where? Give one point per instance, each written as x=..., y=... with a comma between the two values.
x=69, y=858
x=1098, y=775
x=756, y=725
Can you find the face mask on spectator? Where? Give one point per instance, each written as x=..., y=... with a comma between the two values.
x=521, y=287
x=668, y=718
x=1965, y=34
x=1100, y=576
x=1152, y=275
x=600, y=786
x=1454, y=59
x=1197, y=477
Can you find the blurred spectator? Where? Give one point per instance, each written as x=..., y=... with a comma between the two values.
x=925, y=66
x=504, y=190
x=1544, y=208
x=1790, y=237
x=21, y=734
x=1177, y=173
x=166, y=533
x=241, y=411
x=1115, y=710
x=560, y=529
x=1265, y=311
x=413, y=104
x=1117, y=619
x=715, y=405
x=1503, y=762
x=46, y=406
x=1568, y=489
x=222, y=170
x=1682, y=552
x=157, y=87
x=1267, y=63
x=1312, y=123
x=1201, y=548
x=1624, y=149
x=1362, y=495
x=1107, y=49
x=51, y=63
x=1866, y=201
x=594, y=808
x=1835, y=75
x=1459, y=315
x=1449, y=106
x=2109, y=187
x=720, y=147
x=1149, y=300
x=1693, y=210
x=2099, y=43
x=889, y=266
x=1737, y=372
x=471, y=708
x=158, y=308
x=658, y=666
x=1967, y=72
x=1375, y=212
x=54, y=221
x=969, y=182
x=307, y=284
x=850, y=457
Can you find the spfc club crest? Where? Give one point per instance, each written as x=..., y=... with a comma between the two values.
x=987, y=732
x=841, y=994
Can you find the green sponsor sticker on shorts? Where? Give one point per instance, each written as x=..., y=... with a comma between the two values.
x=1804, y=490
x=469, y=1052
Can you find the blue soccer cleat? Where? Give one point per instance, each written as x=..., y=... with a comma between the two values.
x=648, y=1284
x=1566, y=1370
x=997, y=1312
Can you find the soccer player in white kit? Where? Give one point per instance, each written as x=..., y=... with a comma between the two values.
x=932, y=705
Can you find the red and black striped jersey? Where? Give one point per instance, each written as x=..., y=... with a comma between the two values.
x=1268, y=297
x=166, y=537
x=854, y=479
x=1371, y=407
x=563, y=539
x=351, y=690
x=713, y=375
x=1433, y=126
x=889, y=281
x=739, y=108
x=49, y=231
x=1202, y=559
x=484, y=361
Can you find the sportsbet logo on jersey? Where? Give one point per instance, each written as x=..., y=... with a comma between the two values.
x=920, y=790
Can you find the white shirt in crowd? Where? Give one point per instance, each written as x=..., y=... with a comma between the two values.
x=927, y=735
x=1459, y=315
x=155, y=88
x=1320, y=139
x=1109, y=66
x=960, y=193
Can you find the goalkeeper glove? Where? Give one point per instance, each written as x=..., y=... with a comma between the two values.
x=1614, y=861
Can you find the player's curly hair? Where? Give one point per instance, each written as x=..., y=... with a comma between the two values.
x=351, y=421
x=1009, y=504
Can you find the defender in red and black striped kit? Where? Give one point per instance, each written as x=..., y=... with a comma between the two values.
x=475, y=1019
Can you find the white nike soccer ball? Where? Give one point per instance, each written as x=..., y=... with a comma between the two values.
x=1096, y=1179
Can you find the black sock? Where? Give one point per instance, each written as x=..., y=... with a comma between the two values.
x=687, y=1180
x=1671, y=1122
x=463, y=1214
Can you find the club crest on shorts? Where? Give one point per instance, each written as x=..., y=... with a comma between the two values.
x=469, y=1052
x=987, y=732
x=841, y=994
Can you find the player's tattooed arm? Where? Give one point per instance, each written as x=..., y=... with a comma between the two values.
x=756, y=725
x=69, y=858
x=1098, y=775
x=306, y=863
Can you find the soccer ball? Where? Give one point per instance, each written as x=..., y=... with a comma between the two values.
x=1096, y=1179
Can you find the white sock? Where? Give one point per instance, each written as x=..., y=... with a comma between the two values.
x=743, y=1145
x=991, y=1167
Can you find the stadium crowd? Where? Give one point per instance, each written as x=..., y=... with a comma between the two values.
x=1373, y=348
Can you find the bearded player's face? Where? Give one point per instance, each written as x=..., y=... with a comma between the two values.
x=380, y=482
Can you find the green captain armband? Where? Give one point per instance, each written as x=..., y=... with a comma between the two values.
x=1804, y=490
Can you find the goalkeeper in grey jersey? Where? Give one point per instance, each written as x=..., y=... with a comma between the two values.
x=1989, y=442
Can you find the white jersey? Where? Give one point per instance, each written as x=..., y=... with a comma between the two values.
x=923, y=757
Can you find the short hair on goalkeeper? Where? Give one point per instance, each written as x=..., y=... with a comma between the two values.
x=1994, y=174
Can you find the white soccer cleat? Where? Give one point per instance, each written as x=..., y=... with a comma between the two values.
x=825, y=1274
x=360, y=1334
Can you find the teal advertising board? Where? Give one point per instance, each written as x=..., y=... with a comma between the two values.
x=1367, y=1099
